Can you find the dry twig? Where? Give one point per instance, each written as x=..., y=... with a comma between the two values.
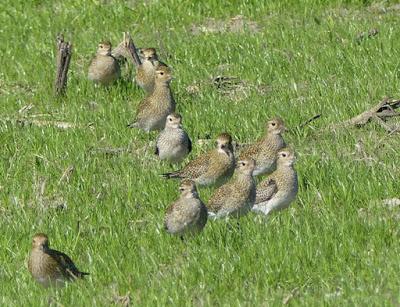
x=302, y=125
x=64, y=52
x=379, y=113
x=49, y=123
x=132, y=51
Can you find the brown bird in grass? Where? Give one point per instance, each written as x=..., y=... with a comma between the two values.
x=187, y=215
x=152, y=112
x=146, y=72
x=211, y=168
x=50, y=267
x=237, y=196
x=104, y=68
x=264, y=152
x=280, y=188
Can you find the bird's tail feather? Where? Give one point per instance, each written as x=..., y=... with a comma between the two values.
x=132, y=125
x=171, y=175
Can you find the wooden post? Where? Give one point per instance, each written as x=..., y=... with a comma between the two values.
x=64, y=52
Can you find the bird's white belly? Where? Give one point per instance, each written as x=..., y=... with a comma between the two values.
x=174, y=154
x=261, y=169
x=276, y=203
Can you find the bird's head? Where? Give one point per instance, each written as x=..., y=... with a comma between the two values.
x=276, y=126
x=187, y=188
x=104, y=48
x=148, y=54
x=246, y=166
x=174, y=120
x=40, y=241
x=224, y=143
x=286, y=157
x=163, y=74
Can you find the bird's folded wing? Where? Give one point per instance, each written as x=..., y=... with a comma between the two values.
x=198, y=166
x=248, y=151
x=221, y=197
x=65, y=263
x=266, y=190
x=143, y=106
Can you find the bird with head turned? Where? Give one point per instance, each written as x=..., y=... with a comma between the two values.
x=50, y=267
x=146, y=71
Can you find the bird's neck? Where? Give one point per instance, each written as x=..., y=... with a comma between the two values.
x=173, y=129
x=284, y=168
x=104, y=55
x=163, y=91
x=190, y=196
x=224, y=152
x=148, y=66
x=162, y=88
x=274, y=140
x=244, y=178
x=286, y=177
x=36, y=258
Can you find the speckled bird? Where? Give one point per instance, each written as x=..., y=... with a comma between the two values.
x=264, y=152
x=145, y=73
x=212, y=168
x=152, y=112
x=188, y=214
x=173, y=143
x=237, y=196
x=279, y=190
x=104, y=68
x=50, y=267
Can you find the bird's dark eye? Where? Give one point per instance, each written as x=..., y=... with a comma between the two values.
x=284, y=155
x=170, y=119
x=161, y=73
x=243, y=164
x=181, y=189
x=273, y=124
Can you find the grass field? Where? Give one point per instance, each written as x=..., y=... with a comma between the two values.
x=337, y=244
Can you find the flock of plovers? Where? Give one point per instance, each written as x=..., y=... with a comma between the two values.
x=232, y=174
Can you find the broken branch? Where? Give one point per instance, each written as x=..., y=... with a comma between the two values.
x=379, y=113
x=130, y=46
x=64, y=52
